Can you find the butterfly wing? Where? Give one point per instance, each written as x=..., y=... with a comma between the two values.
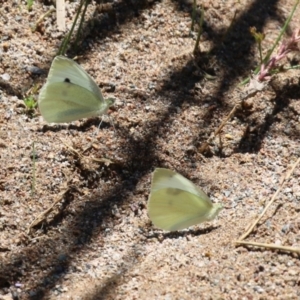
x=165, y=178
x=70, y=93
x=65, y=69
x=61, y=102
x=176, y=203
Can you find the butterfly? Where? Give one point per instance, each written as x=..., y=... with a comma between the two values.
x=70, y=93
x=176, y=203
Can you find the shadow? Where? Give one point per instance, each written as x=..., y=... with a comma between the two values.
x=107, y=20
x=253, y=137
x=178, y=234
x=232, y=54
x=108, y=289
x=84, y=126
x=10, y=89
x=91, y=215
x=275, y=252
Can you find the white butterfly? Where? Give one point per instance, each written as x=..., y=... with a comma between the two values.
x=70, y=94
x=176, y=203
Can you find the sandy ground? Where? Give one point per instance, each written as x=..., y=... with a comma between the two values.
x=97, y=241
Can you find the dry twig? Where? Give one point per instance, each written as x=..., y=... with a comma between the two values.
x=251, y=227
x=106, y=161
x=66, y=189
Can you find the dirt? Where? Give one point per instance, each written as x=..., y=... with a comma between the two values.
x=73, y=214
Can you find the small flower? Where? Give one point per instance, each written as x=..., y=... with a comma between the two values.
x=285, y=48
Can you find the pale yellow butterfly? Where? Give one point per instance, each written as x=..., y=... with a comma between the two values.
x=176, y=203
x=70, y=93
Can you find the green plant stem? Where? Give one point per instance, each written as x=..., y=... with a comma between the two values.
x=33, y=170
x=267, y=57
x=193, y=15
x=63, y=48
x=260, y=52
x=87, y=2
x=200, y=31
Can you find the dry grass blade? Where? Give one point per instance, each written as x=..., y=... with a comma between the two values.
x=60, y=14
x=106, y=161
x=66, y=190
x=251, y=227
x=270, y=246
x=204, y=147
x=50, y=11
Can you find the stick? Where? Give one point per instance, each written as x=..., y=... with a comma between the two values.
x=287, y=176
x=60, y=15
x=206, y=144
x=50, y=11
x=270, y=246
x=44, y=214
x=106, y=161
